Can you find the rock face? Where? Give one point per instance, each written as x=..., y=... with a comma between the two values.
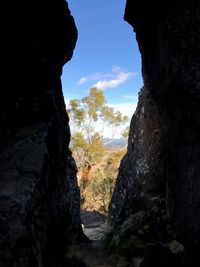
x=140, y=180
x=39, y=196
x=168, y=37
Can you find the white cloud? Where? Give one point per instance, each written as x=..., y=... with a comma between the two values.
x=91, y=78
x=120, y=77
x=82, y=80
x=108, y=80
x=116, y=69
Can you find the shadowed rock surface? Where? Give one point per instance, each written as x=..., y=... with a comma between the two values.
x=159, y=176
x=168, y=37
x=39, y=196
x=95, y=253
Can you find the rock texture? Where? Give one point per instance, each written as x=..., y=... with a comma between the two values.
x=168, y=37
x=39, y=196
x=140, y=182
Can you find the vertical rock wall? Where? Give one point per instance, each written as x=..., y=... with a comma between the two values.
x=168, y=37
x=39, y=196
x=140, y=181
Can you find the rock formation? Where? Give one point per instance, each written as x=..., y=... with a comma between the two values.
x=39, y=196
x=168, y=36
x=140, y=180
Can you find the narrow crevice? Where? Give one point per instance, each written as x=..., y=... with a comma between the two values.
x=153, y=217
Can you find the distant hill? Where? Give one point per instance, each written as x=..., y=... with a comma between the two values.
x=115, y=144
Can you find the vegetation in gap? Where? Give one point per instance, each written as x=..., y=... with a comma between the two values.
x=97, y=163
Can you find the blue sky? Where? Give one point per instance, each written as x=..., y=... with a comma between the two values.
x=106, y=55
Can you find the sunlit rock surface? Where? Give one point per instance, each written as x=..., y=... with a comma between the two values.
x=140, y=180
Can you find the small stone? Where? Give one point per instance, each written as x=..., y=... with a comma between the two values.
x=176, y=247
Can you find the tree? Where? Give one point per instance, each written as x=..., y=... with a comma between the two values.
x=86, y=115
x=125, y=132
x=89, y=117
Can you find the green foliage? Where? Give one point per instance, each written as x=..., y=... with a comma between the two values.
x=78, y=140
x=77, y=114
x=94, y=103
x=125, y=132
x=87, y=146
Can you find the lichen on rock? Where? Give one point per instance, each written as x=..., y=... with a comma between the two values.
x=140, y=178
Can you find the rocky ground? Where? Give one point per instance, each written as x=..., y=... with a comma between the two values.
x=95, y=253
x=145, y=239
